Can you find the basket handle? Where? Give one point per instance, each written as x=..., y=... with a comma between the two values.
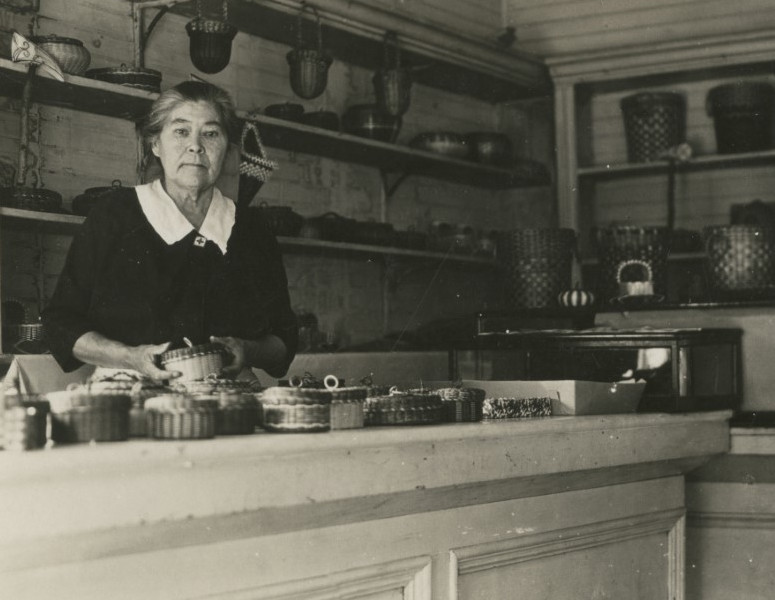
x=391, y=38
x=627, y=263
x=300, y=26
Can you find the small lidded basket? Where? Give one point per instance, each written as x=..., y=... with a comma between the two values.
x=24, y=422
x=237, y=413
x=296, y=409
x=404, y=408
x=180, y=417
x=462, y=404
x=347, y=407
x=83, y=413
x=195, y=362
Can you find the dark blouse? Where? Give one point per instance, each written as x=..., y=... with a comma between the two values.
x=123, y=281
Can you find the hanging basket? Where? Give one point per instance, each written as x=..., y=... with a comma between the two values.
x=392, y=84
x=308, y=66
x=210, y=40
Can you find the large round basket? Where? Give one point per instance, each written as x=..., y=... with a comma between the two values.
x=653, y=122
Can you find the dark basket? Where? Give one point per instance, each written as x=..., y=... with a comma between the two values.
x=210, y=44
x=653, y=122
x=136, y=77
x=28, y=198
x=742, y=116
x=537, y=264
x=618, y=245
x=740, y=261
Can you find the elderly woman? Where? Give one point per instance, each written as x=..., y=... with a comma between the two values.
x=174, y=259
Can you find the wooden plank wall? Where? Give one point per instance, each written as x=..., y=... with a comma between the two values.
x=78, y=151
x=558, y=27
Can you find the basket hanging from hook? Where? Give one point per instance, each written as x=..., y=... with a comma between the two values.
x=308, y=65
x=210, y=40
x=392, y=83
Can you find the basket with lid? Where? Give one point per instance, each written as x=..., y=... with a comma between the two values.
x=195, y=362
x=83, y=414
x=237, y=412
x=292, y=409
x=180, y=417
x=653, y=122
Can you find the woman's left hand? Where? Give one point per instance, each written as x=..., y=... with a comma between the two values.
x=238, y=351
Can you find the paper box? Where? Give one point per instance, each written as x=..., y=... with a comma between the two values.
x=40, y=374
x=570, y=397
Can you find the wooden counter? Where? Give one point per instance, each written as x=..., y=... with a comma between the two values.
x=414, y=512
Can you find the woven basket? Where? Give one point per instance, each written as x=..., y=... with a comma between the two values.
x=28, y=198
x=740, y=261
x=462, y=404
x=70, y=53
x=196, y=362
x=136, y=77
x=653, y=122
x=180, y=417
x=298, y=410
x=347, y=407
x=78, y=415
x=404, y=408
x=742, y=116
x=537, y=265
x=616, y=246
x=24, y=422
x=237, y=413
x=517, y=408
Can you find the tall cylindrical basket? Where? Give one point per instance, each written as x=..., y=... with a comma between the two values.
x=537, y=265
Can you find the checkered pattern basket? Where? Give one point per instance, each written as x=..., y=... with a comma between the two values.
x=537, y=265
x=740, y=261
x=653, y=122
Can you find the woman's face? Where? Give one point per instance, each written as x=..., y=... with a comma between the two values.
x=191, y=147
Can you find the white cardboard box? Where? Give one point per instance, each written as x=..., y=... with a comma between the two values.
x=570, y=397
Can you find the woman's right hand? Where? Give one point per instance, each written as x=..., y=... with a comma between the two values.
x=143, y=359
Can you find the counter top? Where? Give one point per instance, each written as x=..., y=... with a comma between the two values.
x=86, y=501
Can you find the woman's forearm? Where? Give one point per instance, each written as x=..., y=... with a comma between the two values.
x=96, y=349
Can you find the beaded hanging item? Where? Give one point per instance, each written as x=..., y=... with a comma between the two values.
x=255, y=166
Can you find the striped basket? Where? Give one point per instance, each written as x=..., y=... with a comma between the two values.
x=180, y=417
x=24, y=422
x=404, y=408
x=347, y=407
x=297, y=410
x=79, y=415
x=194, y=363
x=462, y=404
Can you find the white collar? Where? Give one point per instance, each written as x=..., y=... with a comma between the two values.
x=172, y=226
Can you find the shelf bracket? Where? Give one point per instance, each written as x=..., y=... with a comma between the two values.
x=140, y=34
x=389, y=186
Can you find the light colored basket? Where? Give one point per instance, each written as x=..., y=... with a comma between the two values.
x=300, y=410
x=70, y=53
x=180, y=417
x=347, y=407
x=196, y=362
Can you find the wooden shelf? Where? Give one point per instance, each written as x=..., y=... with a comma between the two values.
x=89, y=95
x=353, y=33
x=68, y=224
x=699, y=163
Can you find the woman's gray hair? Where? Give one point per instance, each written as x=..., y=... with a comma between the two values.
x=150, y=127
